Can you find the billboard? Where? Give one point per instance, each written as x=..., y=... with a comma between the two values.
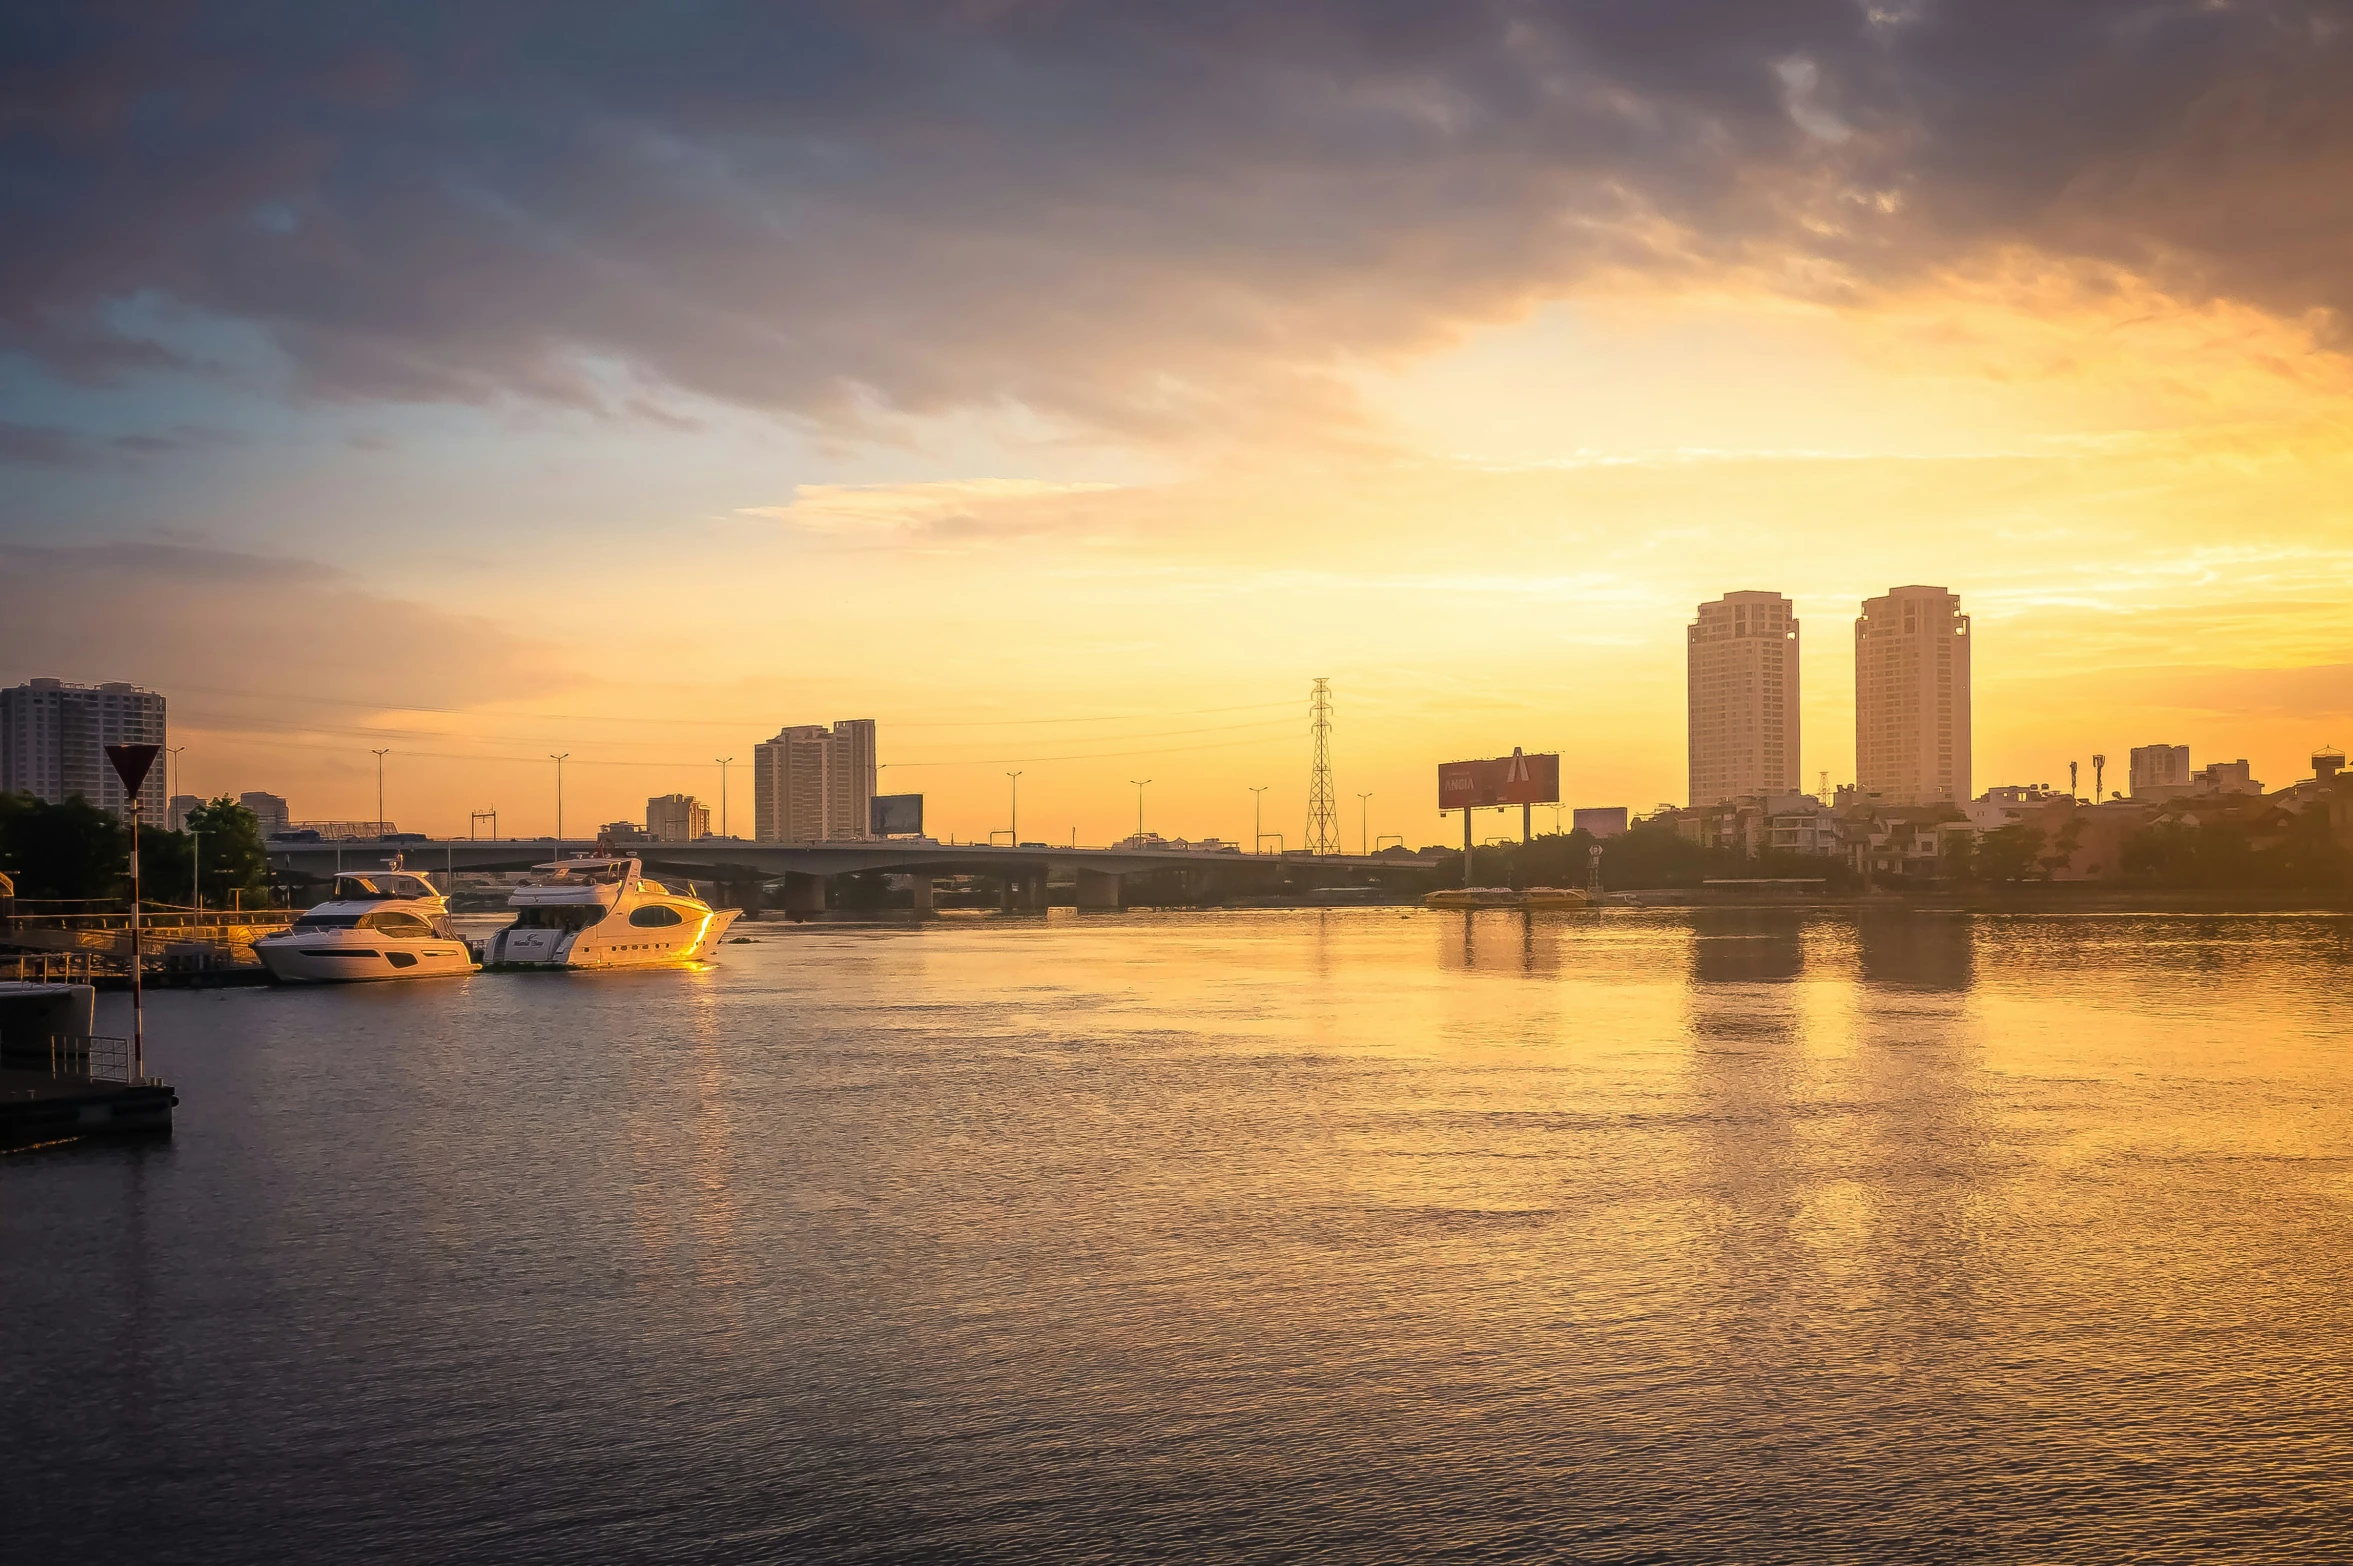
x=1601, y=822
x=1515, y=779
x=897, y=815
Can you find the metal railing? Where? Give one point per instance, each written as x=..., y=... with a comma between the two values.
x=60, y=967
x=97, y=1057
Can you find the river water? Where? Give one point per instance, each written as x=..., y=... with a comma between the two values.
x=1353, y=1234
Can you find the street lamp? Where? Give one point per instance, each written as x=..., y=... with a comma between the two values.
x=1364, y=822
x=559, y=761
x=1016, y=828
x=195, y=856
x=1258, y=818
x=379, y=755
x=1139, y=783
x=171, y=772
x=723, y=761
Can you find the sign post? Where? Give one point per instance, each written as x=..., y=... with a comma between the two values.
x=130, y=764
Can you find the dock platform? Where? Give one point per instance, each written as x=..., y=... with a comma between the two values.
x=40, y=1110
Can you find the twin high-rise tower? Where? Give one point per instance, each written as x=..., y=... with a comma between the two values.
x=1911, y=698
x=1743, y=698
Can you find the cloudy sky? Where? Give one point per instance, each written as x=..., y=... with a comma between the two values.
x=1066, y=385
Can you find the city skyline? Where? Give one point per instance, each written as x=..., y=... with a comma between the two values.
x=551, y=444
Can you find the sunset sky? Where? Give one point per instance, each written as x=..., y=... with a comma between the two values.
x=1066, y=386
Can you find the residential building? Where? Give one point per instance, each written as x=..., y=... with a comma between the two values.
x=1741, y=663
x=2160, y=771
x=180, y=808
x=53, y=739
x=2225, y=777
x=270, y=812
x=811, y=784
x=677, y=818
x=2013, y=804
x=1912, y=698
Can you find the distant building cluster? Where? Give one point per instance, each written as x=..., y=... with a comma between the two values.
x=676, y=818
x=812, y=784
x=1912, y=814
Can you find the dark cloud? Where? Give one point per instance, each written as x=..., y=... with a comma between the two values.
x=1141, y=218
x=168, y=615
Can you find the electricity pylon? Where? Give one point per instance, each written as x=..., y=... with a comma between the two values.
x=1323, y=810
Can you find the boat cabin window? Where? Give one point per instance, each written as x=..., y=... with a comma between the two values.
x=405, y=926
x=559, y=916
x=327, y=921
x=590, y=875
x=653, y=915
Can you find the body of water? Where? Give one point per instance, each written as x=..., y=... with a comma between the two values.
x=1354, y=1234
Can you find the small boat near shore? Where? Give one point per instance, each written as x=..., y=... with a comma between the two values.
x=1507, y=897
x=595, y=912
x=376, y=925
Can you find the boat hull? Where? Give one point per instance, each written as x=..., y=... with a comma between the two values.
x=327, y=960
x=599, y=947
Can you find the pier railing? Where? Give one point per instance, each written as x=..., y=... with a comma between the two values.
x=96, y=1057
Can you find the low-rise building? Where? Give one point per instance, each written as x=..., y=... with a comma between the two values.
x=270, y=812
x=677, y=818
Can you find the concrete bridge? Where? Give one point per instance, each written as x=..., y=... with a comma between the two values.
x=741, y=869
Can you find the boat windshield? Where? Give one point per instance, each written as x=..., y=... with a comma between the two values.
x=350, y=888
x=604, y=873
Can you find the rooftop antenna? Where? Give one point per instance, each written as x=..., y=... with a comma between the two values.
x=1323, y=812
x=2099, y=765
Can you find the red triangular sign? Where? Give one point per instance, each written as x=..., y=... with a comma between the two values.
x=131, y=763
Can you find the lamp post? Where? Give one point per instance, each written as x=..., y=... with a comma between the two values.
x=723, y=763
x=1258, y=818
x=171, y=772
x=195, y=857
x=559, y=761
x=379, y=755
x=1364, y=822
x=1016, y=827
x=1139, y=783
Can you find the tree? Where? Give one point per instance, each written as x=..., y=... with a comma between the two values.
x=2008, y=853
x=230, y=855
x=72, y=851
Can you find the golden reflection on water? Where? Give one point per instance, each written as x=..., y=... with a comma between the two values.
x=1634, y=1234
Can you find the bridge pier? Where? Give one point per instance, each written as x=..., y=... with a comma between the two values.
x=740, y=894
x=924, y=892
x=803, y=894
x=1098, y=889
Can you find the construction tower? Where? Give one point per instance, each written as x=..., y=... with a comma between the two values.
x=1323, y=810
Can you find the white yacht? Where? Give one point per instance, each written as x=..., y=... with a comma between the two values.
x=603, y=913
x=377, y=924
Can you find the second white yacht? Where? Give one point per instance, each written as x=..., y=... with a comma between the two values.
x=603, y=913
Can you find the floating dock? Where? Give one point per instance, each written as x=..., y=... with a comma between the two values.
x=59, y=1083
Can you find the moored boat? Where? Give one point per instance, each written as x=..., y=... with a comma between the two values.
x=375, y=925
x=596, y=912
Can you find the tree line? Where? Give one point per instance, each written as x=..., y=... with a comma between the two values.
x=76, y=852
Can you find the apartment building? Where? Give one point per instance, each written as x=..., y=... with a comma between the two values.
x=53, y=739
x=811, y=784
x=1912, y=698
x=1741, y=700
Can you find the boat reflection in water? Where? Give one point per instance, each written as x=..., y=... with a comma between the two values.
x=603, y=913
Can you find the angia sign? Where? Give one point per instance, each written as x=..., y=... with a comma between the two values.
x=1515, y=779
